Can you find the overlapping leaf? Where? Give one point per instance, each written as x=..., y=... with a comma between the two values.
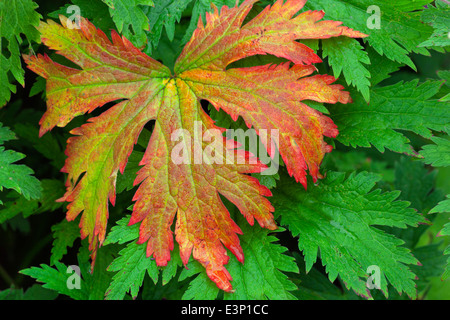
x=395, y=28
x=16, y=176
x=346, y=55
x=164, y=14
x=439, y=18
x=260, y=277
x=339, y=218
x=438, y=155
x=267, y=97
x=57, y=280
x=130, y=19
x=403, y=106
x=17, y=18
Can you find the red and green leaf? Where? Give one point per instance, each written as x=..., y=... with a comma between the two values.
x=266, y=97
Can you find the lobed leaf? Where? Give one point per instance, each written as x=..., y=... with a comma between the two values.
x=16, y=176
x=438, y=17
x=267, y=97
x=340, y=217
x=130, y=19
x=58, y=279
x=403, y=106
x=395, y=28
x=347, y=56
x=444, y=206
x=17, y=18
x=165, y=14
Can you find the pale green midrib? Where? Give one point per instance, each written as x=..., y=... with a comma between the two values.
x=161, y=220
x=97, y=84
x=97, y=177
x=177, y=63
x=191, y=177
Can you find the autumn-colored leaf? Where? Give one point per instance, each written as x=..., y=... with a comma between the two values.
x=267, y=97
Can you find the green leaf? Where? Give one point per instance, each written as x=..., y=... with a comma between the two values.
x=408, y=5
x=16, y=204
x=270, y=181
x=338, y=216
x=315, y=285
x=400, y=30
x=439, y=18
x=167, y=51
x=357, y=161
x=64, y=234
x=165, y=13
x=125, y=181
x=58, y=280
x=347, y=56
x=122, y=233
x=16, y=176
x=17, y=17
x=131, y=267
x=132, y=263
x=38, y=87
x=402, y=106
x=130, y=19
x=432, y=263
x=445, y=75
x=201, y=287
x=417, y=185
x=438, y=154
x=444, y=206
x=98, y=279
x=6, y=134
x=261, y=275
x=380, y=67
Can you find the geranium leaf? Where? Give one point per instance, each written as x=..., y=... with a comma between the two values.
x=15, y=176
x=267, y=97
x=17, y=18
x=340, y=217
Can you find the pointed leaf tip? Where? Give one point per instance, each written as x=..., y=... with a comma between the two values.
x=269, y=99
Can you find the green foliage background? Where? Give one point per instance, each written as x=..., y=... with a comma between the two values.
x=383, y=201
